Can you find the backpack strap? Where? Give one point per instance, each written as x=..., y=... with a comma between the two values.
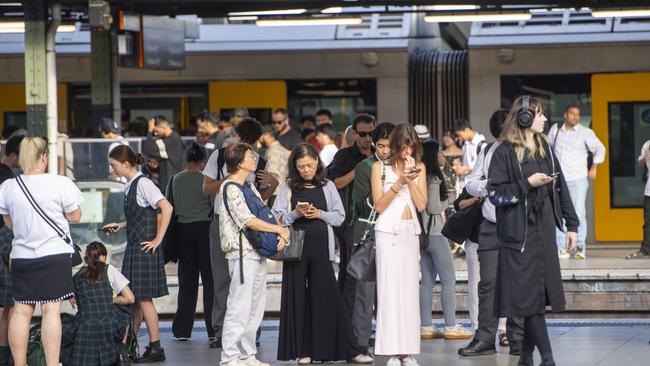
x=241, y=249
x=221, y=161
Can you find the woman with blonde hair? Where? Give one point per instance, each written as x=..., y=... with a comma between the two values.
x=531, y=196
x=399, y=190
x=41, y=251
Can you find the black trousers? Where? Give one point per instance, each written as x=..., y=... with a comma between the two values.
x=344, y=238
x=645, y=244
x=488, y=322
x=193, y=260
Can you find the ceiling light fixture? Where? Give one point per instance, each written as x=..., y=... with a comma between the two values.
x=19, y=27
x=620, y=13
x=306, y=22
x=476, y=17
x=453, y=7
x=332, y=10
x=267, y=12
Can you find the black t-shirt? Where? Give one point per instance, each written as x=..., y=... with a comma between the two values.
x=5, y=173
x=315, y=196
x=290, y=139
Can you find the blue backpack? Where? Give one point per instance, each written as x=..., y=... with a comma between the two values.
x=264, y=243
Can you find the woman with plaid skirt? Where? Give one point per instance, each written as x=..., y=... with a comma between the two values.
x=143, y=263
x=101, y=327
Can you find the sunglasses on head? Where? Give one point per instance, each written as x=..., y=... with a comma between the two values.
x=365, y=133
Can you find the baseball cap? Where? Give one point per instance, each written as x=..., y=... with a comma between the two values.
x=422, y=131
x=109, y=125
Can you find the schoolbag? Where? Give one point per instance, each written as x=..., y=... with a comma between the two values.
x=264, y=243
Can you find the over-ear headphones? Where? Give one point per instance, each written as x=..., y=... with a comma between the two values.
x=525, y=116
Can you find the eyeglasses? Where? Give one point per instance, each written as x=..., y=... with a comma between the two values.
x=365, y=133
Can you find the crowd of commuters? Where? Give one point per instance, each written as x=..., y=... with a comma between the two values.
x=394, y=181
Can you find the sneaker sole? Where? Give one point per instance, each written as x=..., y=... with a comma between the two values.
x=482, y=353
x=458, y=337
x=433, y=336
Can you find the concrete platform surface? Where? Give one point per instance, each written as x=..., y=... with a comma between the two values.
x=576, y=342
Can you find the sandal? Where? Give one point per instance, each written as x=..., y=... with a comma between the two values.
x=503, y=340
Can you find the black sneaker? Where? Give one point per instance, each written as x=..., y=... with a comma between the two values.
x=151, y=355
x=123, y=360
x=216, y=343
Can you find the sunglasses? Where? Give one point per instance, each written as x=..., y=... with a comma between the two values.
x=365, y=133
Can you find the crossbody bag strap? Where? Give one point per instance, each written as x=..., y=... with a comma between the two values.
x=40, y=211
x=241, y=246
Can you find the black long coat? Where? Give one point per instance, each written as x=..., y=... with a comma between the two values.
x=529, y=276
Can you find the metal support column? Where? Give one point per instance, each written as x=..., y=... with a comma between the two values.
x=35, y=66
x=101, y=76
x=115, y=80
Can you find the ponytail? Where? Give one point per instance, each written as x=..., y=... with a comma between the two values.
x=94, y=269
x=124, y=153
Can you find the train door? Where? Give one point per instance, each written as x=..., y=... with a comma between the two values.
x=13, y=109
x=259, y=97
x=621, y=119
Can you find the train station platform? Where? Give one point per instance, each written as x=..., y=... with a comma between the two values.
x=605, y=283
x=576, y=342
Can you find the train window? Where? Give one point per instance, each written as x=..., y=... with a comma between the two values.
x=344, y=98
x=629, y=128
x=15, y=119
x=557, y=91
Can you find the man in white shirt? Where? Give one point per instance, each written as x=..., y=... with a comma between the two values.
x=473, y=142
x=326, y=134
x=643, y=161
x=572, y=143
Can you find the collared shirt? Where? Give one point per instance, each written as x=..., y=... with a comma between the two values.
x=477, y=182
x=231, y=223
x=344, y=162
x=470, y=150
x=572, y=147
x=148, y=195
x=277, y=158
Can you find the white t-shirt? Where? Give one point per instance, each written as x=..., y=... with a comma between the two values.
x=148, y=195
x=33, y=238
x=117, y=280
x=645, y=148
x=327, y=154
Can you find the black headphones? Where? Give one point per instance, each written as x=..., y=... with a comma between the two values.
x=525, y=116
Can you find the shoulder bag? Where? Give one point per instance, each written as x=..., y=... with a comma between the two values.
x=76, y=256
x=170, y=241
x=293, y=251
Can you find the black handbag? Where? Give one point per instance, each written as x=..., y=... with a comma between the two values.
x=76, y=255
x=293, y=251
x=463, y=224
x=362, y=264
x=170, y=240
x=424, y=235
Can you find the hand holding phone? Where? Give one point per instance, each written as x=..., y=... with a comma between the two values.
x=554, y=174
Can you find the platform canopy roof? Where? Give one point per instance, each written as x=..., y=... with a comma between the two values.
x=218, y=8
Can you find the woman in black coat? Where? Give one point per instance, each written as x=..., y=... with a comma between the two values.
x=531, y=197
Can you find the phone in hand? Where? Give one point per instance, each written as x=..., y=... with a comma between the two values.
x=302, y=205
x=554, y=175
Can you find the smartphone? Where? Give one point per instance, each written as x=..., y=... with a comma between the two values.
x=416, y=170
x=554, y=174
x=302, y=205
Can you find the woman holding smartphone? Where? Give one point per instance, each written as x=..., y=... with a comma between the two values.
x=314, y=324
x=143, y=261
x=399, y=190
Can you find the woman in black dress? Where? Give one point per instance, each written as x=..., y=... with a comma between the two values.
x=531, y=197
x=314, y=325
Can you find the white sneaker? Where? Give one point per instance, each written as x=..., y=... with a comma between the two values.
x=233, y=362
x=304, y=361
x=562, y=254
x=362, y=359
x=394, y=361
x=252, y=361
x=410, y=361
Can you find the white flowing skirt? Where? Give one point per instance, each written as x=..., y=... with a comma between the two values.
x=398, y=296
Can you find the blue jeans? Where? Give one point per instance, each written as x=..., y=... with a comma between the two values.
x=578, y=191
x=435, y=261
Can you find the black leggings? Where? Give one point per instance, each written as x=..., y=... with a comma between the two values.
x=536, y=334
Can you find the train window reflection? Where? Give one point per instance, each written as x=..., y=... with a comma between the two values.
x=629, y=128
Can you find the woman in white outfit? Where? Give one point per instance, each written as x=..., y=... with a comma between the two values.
x=399, y=191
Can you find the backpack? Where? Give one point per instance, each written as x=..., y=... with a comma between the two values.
x=263, y=242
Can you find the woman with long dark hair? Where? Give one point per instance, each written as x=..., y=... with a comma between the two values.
x=531, y=196
x=98, y=288
x=399, y=191
x=436, y=259
x=193, y=211
x=143, y=260
x=314, y=323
